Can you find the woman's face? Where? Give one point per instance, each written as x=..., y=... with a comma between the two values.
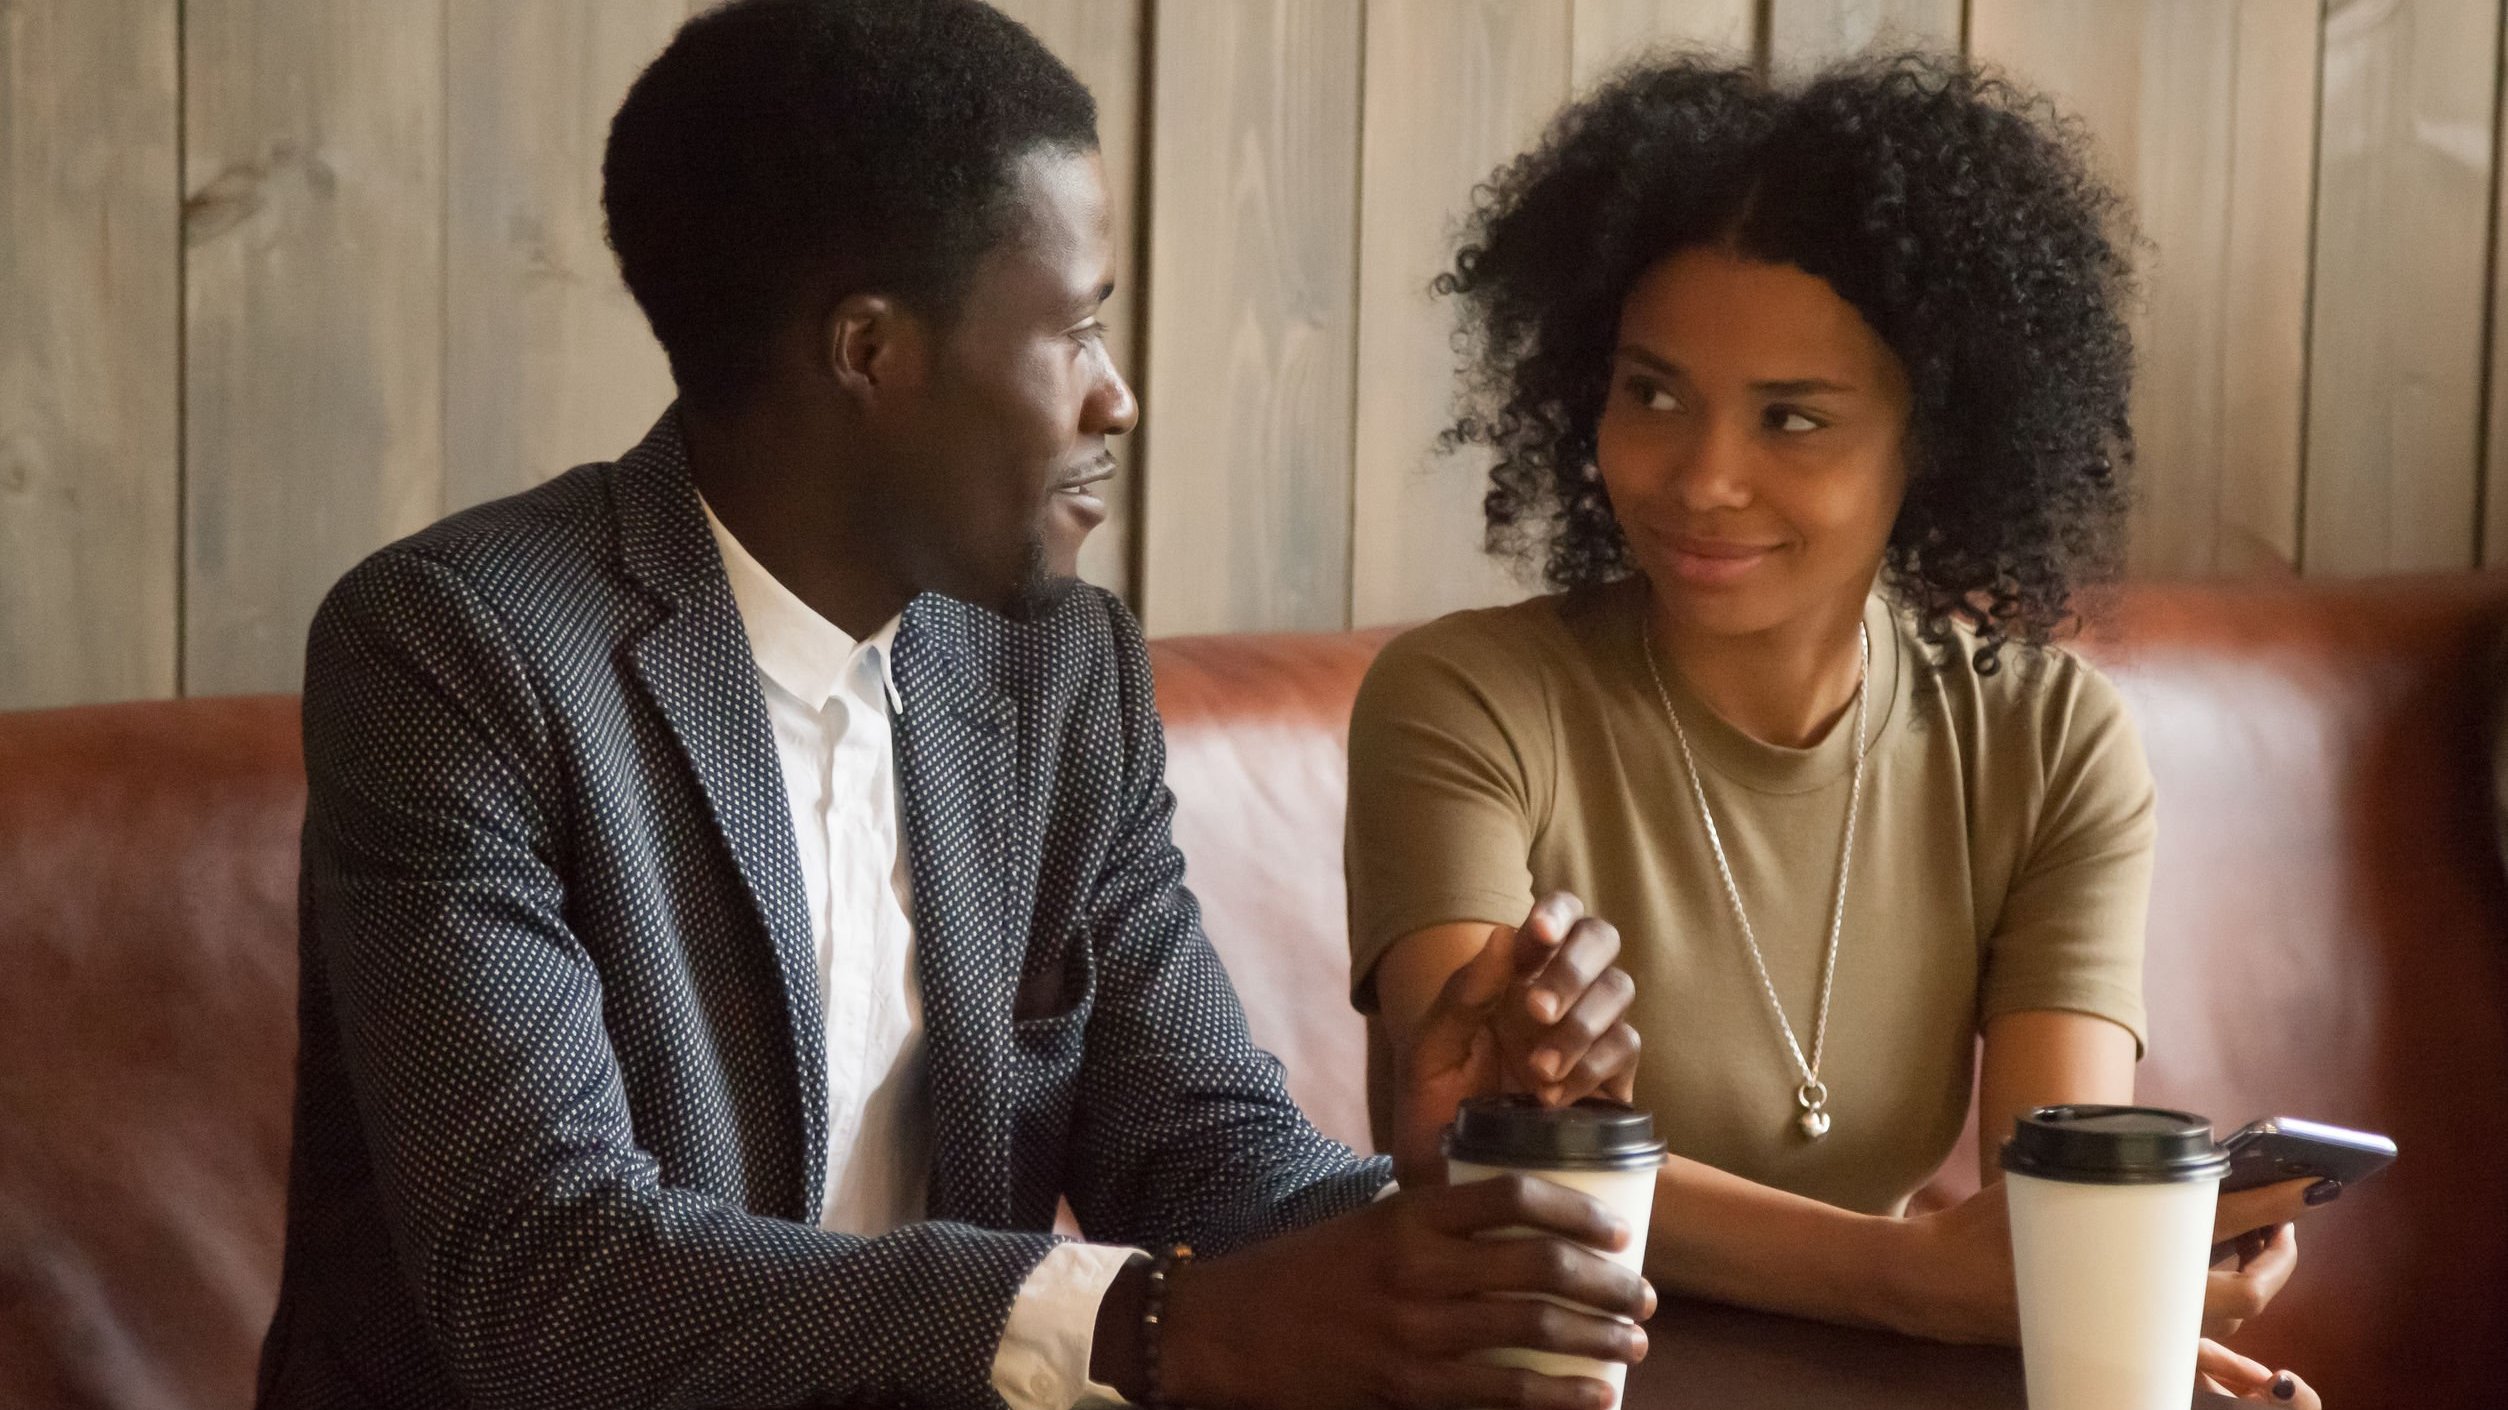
x=1752, y=443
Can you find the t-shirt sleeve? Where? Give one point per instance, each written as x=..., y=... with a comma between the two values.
x=2071, y=931
x=1449, y=774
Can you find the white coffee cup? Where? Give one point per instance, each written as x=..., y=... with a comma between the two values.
x=2111, y=1212
x=1599, y=1147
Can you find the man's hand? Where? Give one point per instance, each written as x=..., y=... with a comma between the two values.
x=1381, y=1307
x=1542, y=1009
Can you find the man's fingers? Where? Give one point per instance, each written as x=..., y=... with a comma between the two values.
x=1463, y=1003
x=1545, y=930
x=1611, y=1060
x=1459, y=1326
x=1584, y=956
x=1602, y=1007
x=1537, y=1204
x=1558, y=1268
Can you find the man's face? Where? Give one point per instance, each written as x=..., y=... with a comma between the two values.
x=1020, y=397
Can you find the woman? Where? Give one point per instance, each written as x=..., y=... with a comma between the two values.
x=1812, y=404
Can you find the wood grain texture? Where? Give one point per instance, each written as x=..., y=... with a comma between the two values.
x=548, y=362
x=1101, y=41
x=314, y=330
x=2403, y=202
x=1454, y=89
x=2199, y=114
x=1253, y=209
x=90, y=322
x=1804, y=35
x=1608, y=33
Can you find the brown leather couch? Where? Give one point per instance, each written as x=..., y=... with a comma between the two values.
x=2329, y=938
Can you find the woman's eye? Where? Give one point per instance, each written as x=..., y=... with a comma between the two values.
x=1790, y=421
x=1089, y=332
x=1654, y=396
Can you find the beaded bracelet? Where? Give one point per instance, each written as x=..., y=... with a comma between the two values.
x=1153, y=1315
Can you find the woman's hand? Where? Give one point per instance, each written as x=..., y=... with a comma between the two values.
x=2224, y=1372
x=1541, y=1008
x=1960, y=1286
x=2256, y=1251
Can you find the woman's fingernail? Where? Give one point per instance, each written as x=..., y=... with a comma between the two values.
x=2285, y=1385
x=1545, y=1007
x=1546, y=1063
x=2323, y=1192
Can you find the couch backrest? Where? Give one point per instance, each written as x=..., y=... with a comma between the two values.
x=2329, y=938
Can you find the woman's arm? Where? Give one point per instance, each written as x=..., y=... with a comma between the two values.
x=2046, y=1057
x=1945, y=1275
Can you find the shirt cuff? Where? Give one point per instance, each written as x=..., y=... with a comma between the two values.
x=1043, y=1360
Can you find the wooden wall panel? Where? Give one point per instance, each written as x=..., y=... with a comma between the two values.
x=2395, y=343
x=2199, y=112
x=1608, y=33
x=1454, y=88
x=314, y=329
x=1253, y=213
x=90, y=318
x=548, y=362
x=1803, y=35
x=1101, y=41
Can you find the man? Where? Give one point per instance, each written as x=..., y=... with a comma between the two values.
x=738, y=892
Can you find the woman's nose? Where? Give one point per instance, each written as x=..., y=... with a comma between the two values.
x=1713, y=470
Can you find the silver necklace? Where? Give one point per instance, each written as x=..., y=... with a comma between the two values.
x=1811, y=1096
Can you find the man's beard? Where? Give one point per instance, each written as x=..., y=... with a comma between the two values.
x=1040, y=589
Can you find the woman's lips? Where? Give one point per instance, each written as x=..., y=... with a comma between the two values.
x=1715, y=562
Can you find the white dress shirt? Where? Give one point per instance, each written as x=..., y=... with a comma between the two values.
x=829, y=700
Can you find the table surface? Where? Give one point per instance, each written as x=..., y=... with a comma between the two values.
x=1704, y=1355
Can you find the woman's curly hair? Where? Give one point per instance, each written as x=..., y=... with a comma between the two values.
x=1953, y=209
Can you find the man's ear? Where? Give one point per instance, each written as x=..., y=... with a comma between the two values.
x=874, y=348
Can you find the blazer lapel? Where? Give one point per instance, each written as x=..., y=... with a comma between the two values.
x=967, y=832
x=695, y=665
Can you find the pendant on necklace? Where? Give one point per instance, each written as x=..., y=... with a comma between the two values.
x=1813, y=1098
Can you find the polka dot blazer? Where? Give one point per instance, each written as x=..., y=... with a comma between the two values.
x=553, y=1144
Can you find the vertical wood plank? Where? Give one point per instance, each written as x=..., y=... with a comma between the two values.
x=1254, y=170
x=1454, y=88
x=548, y=361
x=2395, y=344
x=2494, y=544
x=1608, y=33
x=1101, y=41
x=2265, y=279
x=90, y=318
x=2199, y=113
x=314, y=330
x=1805, y=35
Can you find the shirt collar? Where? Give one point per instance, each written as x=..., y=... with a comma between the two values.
x=798, y=649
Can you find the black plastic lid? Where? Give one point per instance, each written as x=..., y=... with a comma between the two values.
x=2113, y=1145
x=1518, y=1131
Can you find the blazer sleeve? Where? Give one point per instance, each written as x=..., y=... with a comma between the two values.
x=553, y=1262
x=1186, y=1128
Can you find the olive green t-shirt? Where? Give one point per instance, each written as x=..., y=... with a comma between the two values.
x=2002, y=862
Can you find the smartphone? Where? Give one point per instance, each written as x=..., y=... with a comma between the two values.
x=2277, y=1148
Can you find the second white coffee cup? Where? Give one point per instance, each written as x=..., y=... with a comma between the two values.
x=2111, y=1212
x=1601, y=1148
